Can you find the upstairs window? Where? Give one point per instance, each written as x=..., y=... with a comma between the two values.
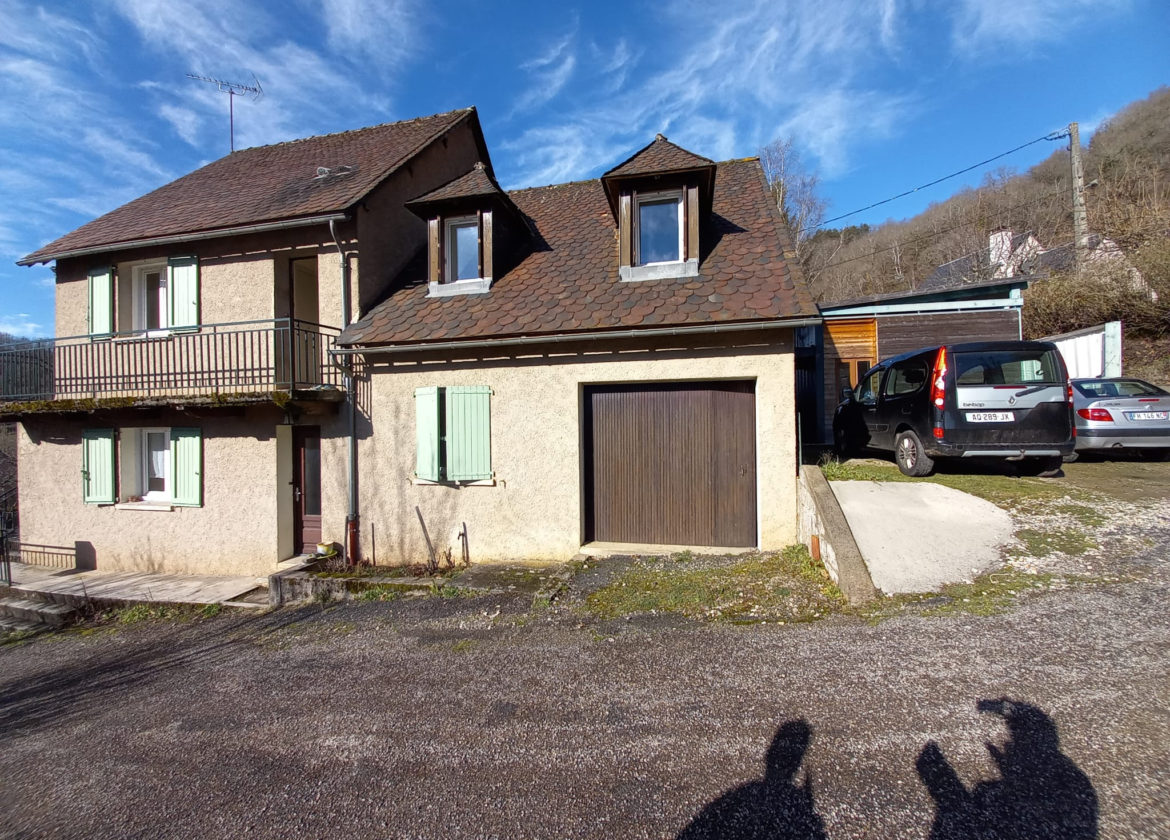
x=658, y=228
x=462, y=250
x=150, y=298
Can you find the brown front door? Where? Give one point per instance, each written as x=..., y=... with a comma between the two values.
x=306, y=488
x=671, y=463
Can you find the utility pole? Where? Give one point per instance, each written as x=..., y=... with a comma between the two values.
x=1080, y=222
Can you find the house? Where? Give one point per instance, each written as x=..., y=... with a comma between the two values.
x=857, y=334
x=361, y=338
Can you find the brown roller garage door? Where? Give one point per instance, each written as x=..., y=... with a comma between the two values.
x=671, y=463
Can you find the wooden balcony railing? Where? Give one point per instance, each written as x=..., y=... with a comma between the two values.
x=239, y=358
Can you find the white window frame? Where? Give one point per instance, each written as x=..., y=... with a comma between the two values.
x=140, y=298
x=450, y=268
x=641, y=198
x=154, y=496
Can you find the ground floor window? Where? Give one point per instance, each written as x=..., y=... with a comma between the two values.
x=453, y=433
x=150, y=465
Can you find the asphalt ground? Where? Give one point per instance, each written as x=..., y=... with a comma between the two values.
x=473, y=717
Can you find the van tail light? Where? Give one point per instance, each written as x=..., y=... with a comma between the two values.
x=938, y=432
x=1099, y=415
x=938, y=380
x=1068, y=387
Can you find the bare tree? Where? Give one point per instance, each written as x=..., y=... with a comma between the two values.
x=795, y=190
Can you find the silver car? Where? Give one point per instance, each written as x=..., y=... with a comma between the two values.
x=1122, y=413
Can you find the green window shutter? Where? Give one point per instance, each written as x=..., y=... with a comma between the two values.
x=183, y=291
x=186, y=467
x=97, y=466
x=426, y=414
x=469, y=438
x=101, y=301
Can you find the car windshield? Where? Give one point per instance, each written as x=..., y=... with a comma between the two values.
x=1008, y=367
x=1099, y=388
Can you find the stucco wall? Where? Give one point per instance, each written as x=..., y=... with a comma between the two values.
x=234, y=532
x=534, y=510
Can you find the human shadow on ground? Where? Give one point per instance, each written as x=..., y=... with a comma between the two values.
x=774, y=807
x=1041, y=793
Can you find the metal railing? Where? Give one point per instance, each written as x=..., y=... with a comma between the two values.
x=242, y=357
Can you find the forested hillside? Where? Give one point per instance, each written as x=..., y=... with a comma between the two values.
x=1127, y=174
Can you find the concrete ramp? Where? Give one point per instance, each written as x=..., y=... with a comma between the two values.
x=917, y=536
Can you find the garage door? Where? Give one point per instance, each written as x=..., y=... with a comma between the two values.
x=671, y=463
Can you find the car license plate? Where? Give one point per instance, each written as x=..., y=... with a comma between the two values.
x=1146, y=415
x=990, y=416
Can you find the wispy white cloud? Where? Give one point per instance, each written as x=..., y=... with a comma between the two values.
x=758, y=68
x=184, y=121
x=983, y=28
x=382, y=31
x=549, y=73
x=23, y=325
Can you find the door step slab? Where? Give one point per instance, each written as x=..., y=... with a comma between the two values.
x=37, y=611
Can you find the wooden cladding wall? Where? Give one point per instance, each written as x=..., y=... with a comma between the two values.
x=671, y=463
x=902, y=333
x=849, y=346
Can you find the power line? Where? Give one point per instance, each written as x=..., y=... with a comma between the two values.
x=936, y=233
x=1056, y=135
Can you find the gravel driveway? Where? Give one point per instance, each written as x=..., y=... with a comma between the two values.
x=475, y=717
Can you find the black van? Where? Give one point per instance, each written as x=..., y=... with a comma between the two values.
x=1002, y=399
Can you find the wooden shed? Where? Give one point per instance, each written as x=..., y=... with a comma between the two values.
x=859, y=333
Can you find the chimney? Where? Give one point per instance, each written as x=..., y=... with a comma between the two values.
x=999, y=256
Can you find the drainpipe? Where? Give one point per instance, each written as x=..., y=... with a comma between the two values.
x=352, y=549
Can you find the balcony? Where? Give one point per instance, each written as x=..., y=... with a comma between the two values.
x=237, y=362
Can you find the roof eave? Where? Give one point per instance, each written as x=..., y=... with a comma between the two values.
x=193, y=236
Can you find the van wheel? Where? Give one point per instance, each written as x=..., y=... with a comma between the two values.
x=1049, y=467
x=911, y=458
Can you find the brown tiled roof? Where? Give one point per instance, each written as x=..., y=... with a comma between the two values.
x=262, y=184
x=660, y=156
x=569, y=279
x=475, y=183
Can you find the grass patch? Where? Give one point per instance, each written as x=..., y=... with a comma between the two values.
x=1069, y=541
x=1007, y=491
x=989, y=594
x=782, y=587
x=139, y=613
x=380, y=593
x=463, y=645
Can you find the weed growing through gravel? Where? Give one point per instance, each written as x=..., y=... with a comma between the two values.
x=380, y=593
x=989, y=594
x=786, y=586
x=1041, y=543
x=138, y=613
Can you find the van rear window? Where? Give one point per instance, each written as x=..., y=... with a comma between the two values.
x=1008, y=367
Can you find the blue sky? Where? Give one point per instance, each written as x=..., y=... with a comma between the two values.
x=880, y=95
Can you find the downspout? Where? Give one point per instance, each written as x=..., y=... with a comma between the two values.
x=352, y=549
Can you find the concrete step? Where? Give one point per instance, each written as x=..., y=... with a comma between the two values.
x=32, y=610
x=15, y=625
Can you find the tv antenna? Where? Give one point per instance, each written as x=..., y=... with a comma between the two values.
x=232, y=89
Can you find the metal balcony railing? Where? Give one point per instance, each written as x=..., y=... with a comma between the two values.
x=237, y=358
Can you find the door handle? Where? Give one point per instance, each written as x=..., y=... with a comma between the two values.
x=296, y=494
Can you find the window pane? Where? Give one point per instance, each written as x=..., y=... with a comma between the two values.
x=658, y=234
x=155, y=298
x=464, y=257
x=312, y=476
x=158, y=456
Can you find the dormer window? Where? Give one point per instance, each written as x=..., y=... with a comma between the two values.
x=461, y=244
x=659, y=199
x=659, y=228
x=471, y=227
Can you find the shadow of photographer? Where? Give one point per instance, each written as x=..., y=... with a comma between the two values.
x=775, y=807
x=1041, y=793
